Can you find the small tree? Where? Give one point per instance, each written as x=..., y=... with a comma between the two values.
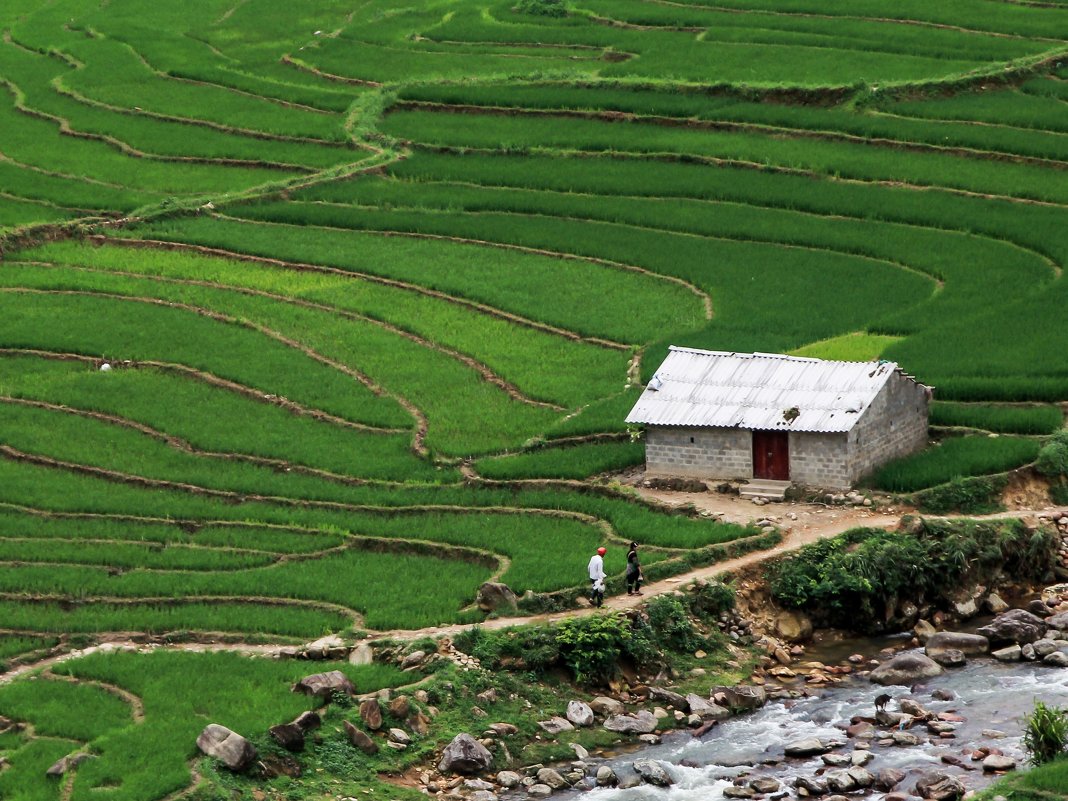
x=1046, y=737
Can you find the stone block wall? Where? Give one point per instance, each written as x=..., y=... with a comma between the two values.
x=699, y=452
x=894, y=425
x=819, y=460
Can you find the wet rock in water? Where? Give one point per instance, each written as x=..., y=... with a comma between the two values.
x=483, y=795
x=862, y=777
x=913, y=708
x=371, y=714
x=924, y=630
x=508, y=779
x=938, y=786
x=1056, y=659
x=943, y=695
x=840, y=781
x=540, y=790
x=360, y=739
x=644, y=722
x=477, y=784
x=861, y=729
x=552, y=778
x=969, y=644
x=887, y=779
x=606, y=777
x=1044, y=648
x=324, y=685
x=905, y=738
x=810, y=785
x=227, y=746
x=743, y=696
x=1011, y=653
x=653, y=772
x=493, y=595
x=1027, y=652
x=556, y=725
x=861, y=758
x=810, y=746
x=61, y=766
x=835, y=760
x=998, y=762
x=706, y=709
x=464, y=754
x=906, y=669
x=734, y=791
x=603, y=705
x=765, y=784
x=951, y=657
x=1015, y=626
x=579, y=713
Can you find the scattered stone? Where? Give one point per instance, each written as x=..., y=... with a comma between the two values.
x=508, y=779
x=324, y=685
x=579, y=713
x=413, y=660
x=503, y=729
x=906, y=669
x=371, y=714
x=835, y=760
x=555, y=725
x=552, y=778
x=861, y=728
x=362, y=654
x=418, y=723
x=734, y=791
x=943, y=695
x=950, y=657
x=227, y=746
x=905, y=738
x=670, y=698
x=653, y=772
x=992, y=734
x=744, y=697
x=644, y=722
x=995, y=604
x=482, y=795
x=839, y=781
x=1011, y=653
x=540, y=790
x=649, y=739
x=1015, y=626
x=810, y=785
x=606, y=777
x=1044, y=647
x=399, y=736
x=477, y=784
x=998, y=762
x=706, y=709
x=464, y=755
x=493, y=596
x=939, y=786
x=603, y=705
x=923, y=631
x=861, y=758
x=61, y=766
x=887, y=779
x=862, y=777
x=793, y=626
x=400, y=707
x=360, y=739
x=765, y=784
x=580, y=752
x=1056, y=659
x=810, y=746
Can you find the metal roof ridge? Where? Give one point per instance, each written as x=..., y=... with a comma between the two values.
x=805, y=359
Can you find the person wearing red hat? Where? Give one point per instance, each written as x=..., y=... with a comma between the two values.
x=596, y=570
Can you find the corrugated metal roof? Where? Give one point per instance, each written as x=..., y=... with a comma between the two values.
x=763, y=391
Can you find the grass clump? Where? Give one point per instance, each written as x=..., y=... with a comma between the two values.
x=1046, y=735
x=1053, y=457
x=954, y=458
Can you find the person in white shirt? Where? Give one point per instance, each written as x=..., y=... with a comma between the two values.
x=596, y=570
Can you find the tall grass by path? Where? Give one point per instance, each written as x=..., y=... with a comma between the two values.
x=998, y=419
x=952, y=458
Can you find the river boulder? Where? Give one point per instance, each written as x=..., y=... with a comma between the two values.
x=464, y=754
x=1015, y=626
x=887, y=779
x=938, y=786
x=906, y=669
x=809, y=746
x=968, y=644
x=743, y=696
x=950, y=657
x=653, y=772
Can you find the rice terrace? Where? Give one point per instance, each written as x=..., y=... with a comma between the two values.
x=317, y=315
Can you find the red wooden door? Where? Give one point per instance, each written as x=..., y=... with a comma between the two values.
x=771, y=455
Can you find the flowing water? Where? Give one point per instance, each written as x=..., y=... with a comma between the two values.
x=990, y=695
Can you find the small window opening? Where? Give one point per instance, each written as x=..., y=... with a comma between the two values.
x=691, y=440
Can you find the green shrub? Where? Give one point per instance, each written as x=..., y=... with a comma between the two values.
x=710, y=599
x=542, y=8
x=1053, y=458
x=1046, y=736
x=671, y=624
x=591, y=646
x=968, y=495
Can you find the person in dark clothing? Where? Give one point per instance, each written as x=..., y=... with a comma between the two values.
x=634, y=575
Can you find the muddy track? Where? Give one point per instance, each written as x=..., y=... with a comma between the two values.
x=208, y=378
x=353, y=274
x=706, y=299
x=484, y=371
x=731, y=126
x=419, y=437
x=715, y=161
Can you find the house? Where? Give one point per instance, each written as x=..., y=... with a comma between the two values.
x=715, y=415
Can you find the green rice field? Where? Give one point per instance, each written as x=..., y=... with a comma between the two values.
x=316, y=316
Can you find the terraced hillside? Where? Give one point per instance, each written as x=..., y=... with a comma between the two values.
x=375, y=285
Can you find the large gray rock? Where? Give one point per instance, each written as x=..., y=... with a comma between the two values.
x=464, y=754
x=840, y=781
x=552, y=778
x=579, y=713
x=653, y=772
x=324, y=685
x=968, y=644
x=1044, y=648
x=809, y=746
x=743, y=696
x=906, y=669
x=764, y=784
x=1058, y=621
x=1056, y=659
x=813, y=785
x=888, y=778
x=950, y=657
x=706, y=709
x=674, y=699
x=997, y=762
x=508, y=779
x=861, y=776
x=493, y=596
x=603, y=705
x=1010, y=653
x=227, y=746
x=939, y=786
x=556, y=725
x=1015, y=626
x=643, y=722
x=606, y=777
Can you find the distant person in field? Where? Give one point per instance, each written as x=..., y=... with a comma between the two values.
x=596, y=570
x=634, y=571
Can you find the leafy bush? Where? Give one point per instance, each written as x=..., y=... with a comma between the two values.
x=711, y=598
x=968, y=495
x=671, y=624
x=542, y=8
x=1053, y=458
x=1046, y=736
x=591, y=646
